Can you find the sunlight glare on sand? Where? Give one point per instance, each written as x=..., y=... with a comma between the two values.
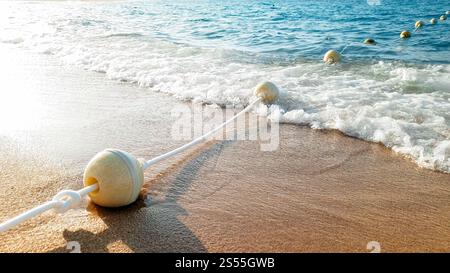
x=19, y=106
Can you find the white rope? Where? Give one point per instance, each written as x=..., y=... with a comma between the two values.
x=62, y=202
x=349, y=44
x=69, y=199
x=199, y=139
x=342, y=51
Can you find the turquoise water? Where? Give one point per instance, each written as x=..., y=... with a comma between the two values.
x=284, y=31
x=280, y=31
x=396, y=92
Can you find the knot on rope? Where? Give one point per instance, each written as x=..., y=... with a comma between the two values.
x=65, y=200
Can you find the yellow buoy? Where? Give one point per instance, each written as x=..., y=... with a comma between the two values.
x=332, y=57
x=369, y=41
x=119, y=176
x=433, y=21
x=443, y=18
x=419, y=24
x=405, y=34
x=267, y=91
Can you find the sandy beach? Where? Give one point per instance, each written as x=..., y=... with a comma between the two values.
x=320, y=191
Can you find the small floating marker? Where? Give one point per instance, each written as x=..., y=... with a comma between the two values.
x=405, y=34
x=447, y=12
x=433, y=21
x=369, y=41
x=267, y=91
x=419, y=24
x=443, y=17
x=119, y=176
x=332, y=57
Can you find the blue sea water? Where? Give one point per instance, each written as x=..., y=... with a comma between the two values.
x=288, y=30
x=396, y=92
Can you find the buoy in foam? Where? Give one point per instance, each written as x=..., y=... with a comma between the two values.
x=433, y=21
x=332, y=57
x=405, y=34
x=419, y=24
x=443, y=18
x=119, y=176
x=369, y=41
x=267, y=91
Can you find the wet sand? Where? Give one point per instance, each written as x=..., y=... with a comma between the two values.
x=319, y=192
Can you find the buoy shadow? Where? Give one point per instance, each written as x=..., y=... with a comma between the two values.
x=136, y=229
x=147, y=226
x=179, y=185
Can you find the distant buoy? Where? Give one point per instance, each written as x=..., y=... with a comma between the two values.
x=433, y=21
x=447, y=12
x=443, y=18
x=419, y=24
x=369, y=41
x=119, y=176
x=405, y=34
x=267, y=91
x=332, y=57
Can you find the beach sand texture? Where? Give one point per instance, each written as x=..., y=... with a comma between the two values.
x=320, y=191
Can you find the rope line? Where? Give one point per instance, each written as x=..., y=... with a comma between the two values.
x=198, y=139
x=61, y=202
x=416, y=29
x=69, y=199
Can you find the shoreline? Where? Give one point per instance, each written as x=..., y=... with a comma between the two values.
x=405, y=157
x=321, y=191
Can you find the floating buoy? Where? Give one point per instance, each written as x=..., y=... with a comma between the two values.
x=332, y=57
x=433, y=21
x=405, y=34
x=369, y=41
x=419, y=24
x=447, y=12
x=267, y=92
x=119, y=176
x=443, y=18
